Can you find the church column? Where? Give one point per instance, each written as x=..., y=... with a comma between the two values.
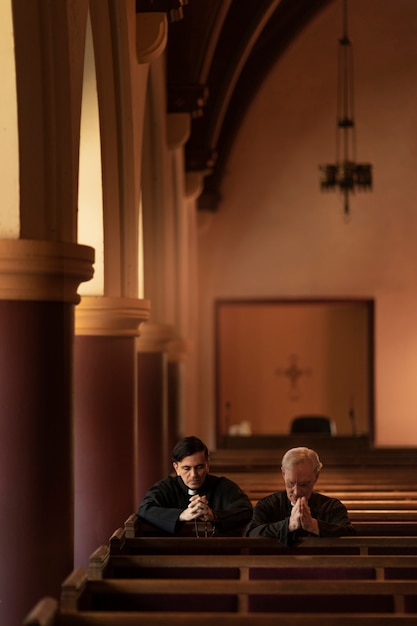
x=38, y=291
x=105, y=431
x=178, y=130
x=108, y=318
x=154, y=420
x=194, y=183
x=160, y=286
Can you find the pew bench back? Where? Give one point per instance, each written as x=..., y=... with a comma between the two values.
x=241, y=567
x=47, y=613
x=379, y=543
x=238, y=596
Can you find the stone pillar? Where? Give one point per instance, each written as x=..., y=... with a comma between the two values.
x=105, y=430
x=154, y=451
x=38, y=291
x=178, y=352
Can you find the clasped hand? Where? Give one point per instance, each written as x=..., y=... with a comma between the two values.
x=301, y=518
x=198, y=508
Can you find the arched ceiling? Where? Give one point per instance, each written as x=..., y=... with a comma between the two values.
x=218, y=53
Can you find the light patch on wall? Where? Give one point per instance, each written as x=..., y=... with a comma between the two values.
x=9, y=141
x=90, y=194
x=141, y=279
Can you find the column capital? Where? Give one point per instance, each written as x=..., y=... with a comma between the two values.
x=31, y=269
x=155, y=337
x=115, y=317
x=178, y=350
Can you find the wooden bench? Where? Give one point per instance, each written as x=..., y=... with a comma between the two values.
x=258, y=489
x=351, y=489
x=48, y=613
x=401, y=522
x=79, y=593
x=103, y=564
x=378, y=499
x=360, y=503
x=385, y=528
x=253, y=584
x=334, y=450
x=351, y=482
x=331, y=455
x=383, y=515
x=120, y=543
x=393, y=496
x=393, y=493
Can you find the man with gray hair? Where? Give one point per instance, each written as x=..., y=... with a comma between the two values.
x=299, y=511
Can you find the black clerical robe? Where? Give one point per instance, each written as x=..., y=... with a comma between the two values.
x=271, y=518
x=164, y=502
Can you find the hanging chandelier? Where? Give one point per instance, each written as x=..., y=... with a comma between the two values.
x=345, y=175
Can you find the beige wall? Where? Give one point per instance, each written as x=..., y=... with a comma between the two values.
x=302, y=358
x=277, y=236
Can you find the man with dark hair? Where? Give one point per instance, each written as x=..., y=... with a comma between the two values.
x=192, y=494
x=299, y=511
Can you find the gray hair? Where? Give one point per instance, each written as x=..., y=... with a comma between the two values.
x=297, y=455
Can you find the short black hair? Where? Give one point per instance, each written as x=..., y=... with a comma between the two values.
x=188, y=446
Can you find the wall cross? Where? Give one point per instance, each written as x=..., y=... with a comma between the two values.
x=293, y=372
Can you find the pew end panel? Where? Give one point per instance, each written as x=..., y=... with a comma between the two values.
x=44, y=613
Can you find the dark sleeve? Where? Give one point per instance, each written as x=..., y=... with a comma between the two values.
x=270, y=519
x=231, y=506
x=162, y=505
x=333, y=519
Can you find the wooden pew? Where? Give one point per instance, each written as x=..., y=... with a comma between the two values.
x=358, y=476
x=102, y=564
x=120, y=543
x=351, y=489
x=238, y=596
x=401, y=522
x=357, y=491
x=362, y=503
x=48, y=613
x=395, y=604
x=247, y=459
x=358, y=502
x=333, y=456
x=385, y=496
x=385, y=515
x=385, y=528
x=351, y=482
x=393, y=498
